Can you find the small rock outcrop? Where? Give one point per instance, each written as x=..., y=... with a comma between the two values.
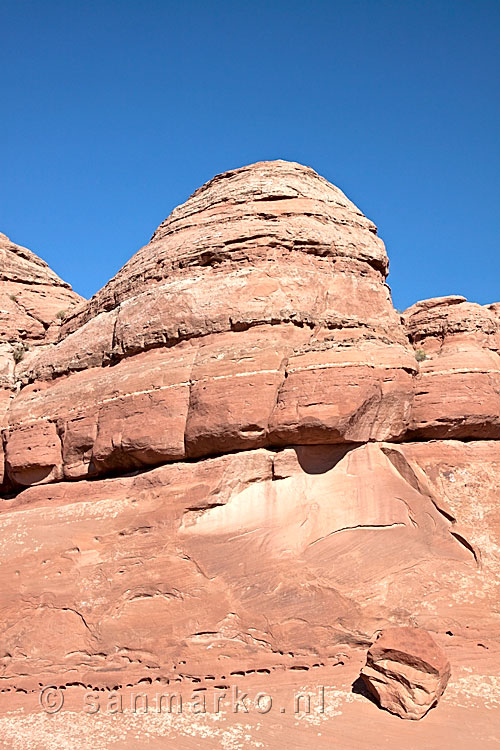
x=33, y=299
x=406, y=671
x=457, y=388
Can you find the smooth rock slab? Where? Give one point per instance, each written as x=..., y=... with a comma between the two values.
x=406, y=671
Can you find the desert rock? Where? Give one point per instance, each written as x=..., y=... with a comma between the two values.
x=406, y=671
x=258, y=315
x=32, y=297
x=457, y=390
x=235, y=459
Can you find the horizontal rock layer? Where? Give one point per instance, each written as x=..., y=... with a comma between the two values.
x=235, y=391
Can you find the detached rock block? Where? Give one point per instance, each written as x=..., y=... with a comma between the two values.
x=406, y=671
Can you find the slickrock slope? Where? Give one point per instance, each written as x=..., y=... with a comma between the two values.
x=235, y=457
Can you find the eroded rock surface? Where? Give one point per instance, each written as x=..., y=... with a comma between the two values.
x=235, y=458
x=257, y=559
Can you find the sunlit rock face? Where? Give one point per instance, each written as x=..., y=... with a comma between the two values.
x=33, y=299
x=406, y=672
x=457, y=391
x=33, y=304
x=235, y=456
x=258, y=315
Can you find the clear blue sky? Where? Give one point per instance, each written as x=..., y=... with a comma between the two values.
x=113, y=112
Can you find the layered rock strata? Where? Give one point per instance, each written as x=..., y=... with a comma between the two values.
x=235, y=456
x=33, y=304
x=257, y=315
x=457, y=390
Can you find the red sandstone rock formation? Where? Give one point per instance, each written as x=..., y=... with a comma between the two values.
x=457, y=391
x=34, y=300
x=406, y=671
x=258, y=315
x=33, y=303
x=231, y=459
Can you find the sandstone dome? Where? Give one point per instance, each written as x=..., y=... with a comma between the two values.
x=261, y=213
x=262, y=314
x=238, y=458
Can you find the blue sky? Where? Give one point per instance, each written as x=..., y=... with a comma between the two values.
x=113, y=112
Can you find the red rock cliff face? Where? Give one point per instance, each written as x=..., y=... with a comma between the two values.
x=237, y=455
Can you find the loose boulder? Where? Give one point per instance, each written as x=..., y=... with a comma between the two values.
x=406, y=671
